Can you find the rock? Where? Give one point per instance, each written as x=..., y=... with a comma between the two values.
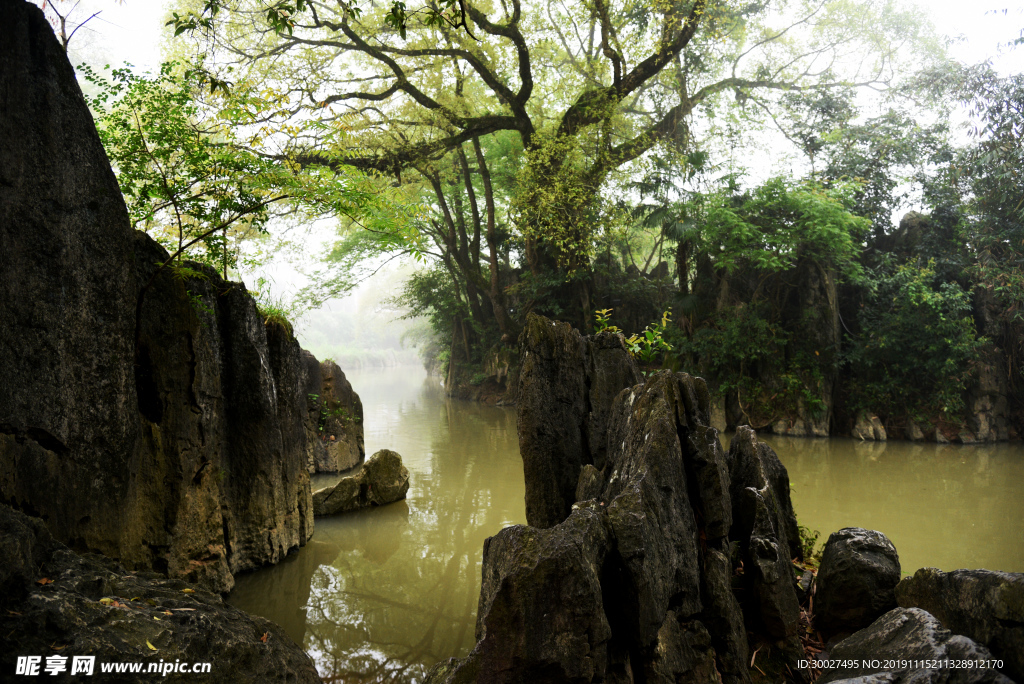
x=926, y=677
x=610, y=369
x=859, y=572
x=382, y=480
x=637, y=581
x=590, y=484
x=803, y=586
x=221, y=485
x=334, y=420
x=542, y=614
x=717, y=417
x=765, y=527
x=909, y=634
x=819, y=334
x=985, y=606
x=550, y=417
x=566, y=386
x=338, y=420
x=940, y=438
x=805, y=424
x=649, y=508
x=172, y=440
x=67, y=294
x=914, y=226
x=966, y=437
x=790, y=428
x=76, y=613
x=868, y=426
x=914, y=432
x=989, y=395
x=683, y=654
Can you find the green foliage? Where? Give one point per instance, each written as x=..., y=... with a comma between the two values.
x=882, y=155
x=602, y=318
x=647, y=345
x=741, y=348
x=273, y=310
x=809, y=544
x=995, y=222
x=780, y=222
x=325, y=411
x=281, y=15
x=184, y=179
x=195, y=178
x=556, y=201
x=917, y=347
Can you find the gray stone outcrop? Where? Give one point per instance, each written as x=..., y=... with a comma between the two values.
x=869, y=427
x=636, y=581
x=56, y=602
x=909, y=634
x=67, y=293
x=170, y=439
x=856, y=580
x=983, y=605
x=566, y=387
x=382, y=480
x=334, y=420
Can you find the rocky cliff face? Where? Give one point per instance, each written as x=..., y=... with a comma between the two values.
x=67, y=292
x=566, y=386
x=185, y=453
x=334, y=420
x=674, y=552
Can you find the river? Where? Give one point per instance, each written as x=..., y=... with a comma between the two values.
x=381, y=595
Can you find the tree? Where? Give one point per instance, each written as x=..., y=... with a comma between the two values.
x=765, y=329
x=192, y=184
x=583, y=101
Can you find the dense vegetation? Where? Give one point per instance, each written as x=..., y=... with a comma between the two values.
x=567, y=158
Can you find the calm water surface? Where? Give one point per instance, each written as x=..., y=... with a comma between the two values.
x=381, y=595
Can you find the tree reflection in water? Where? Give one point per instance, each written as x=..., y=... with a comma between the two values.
x=381, y=595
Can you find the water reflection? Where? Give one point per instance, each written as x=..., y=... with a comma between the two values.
x=382, y=594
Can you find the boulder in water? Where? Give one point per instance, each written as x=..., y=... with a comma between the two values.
x=382, y=480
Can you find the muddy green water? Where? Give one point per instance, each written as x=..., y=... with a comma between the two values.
x=381, y=595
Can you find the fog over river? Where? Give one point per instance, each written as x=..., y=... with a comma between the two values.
x=383, y=594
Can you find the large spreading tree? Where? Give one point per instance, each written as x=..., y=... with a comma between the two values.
x=512, y=119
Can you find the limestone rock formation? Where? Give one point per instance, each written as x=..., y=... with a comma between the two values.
x=989, y=395
x=67, y=292
x=88, y=605
x=566, y=386
x=986, y=606
x=858, y=574
x=334, y=421
x=868, y=427
x=171, y=440
x=382, y=480
x=635, y=582
x=909, y=634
